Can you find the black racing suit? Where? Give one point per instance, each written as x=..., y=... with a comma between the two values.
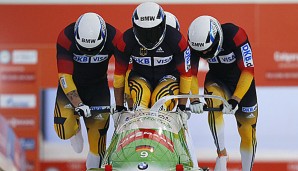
x=89, y=76
x=231, y=73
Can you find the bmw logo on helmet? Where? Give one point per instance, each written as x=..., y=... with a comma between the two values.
x=142, y=166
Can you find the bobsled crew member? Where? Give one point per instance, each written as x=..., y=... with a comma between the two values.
x=171, y=21
x=160, y=60
x=84, y=49
x=231, y=75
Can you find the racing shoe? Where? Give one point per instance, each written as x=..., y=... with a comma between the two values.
x=77, y=141
x=221, y=163
x=93, y=161
x=203, y=169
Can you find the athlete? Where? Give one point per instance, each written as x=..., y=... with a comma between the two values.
x=231, y=75
x=171, y=21
x=84, y=49
x=160, y=60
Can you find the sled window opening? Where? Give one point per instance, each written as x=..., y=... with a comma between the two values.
x=169, y=121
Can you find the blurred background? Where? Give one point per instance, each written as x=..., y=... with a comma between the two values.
x=28, y=79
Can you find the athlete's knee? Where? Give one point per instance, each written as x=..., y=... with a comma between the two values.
x=140, y=91
x=97, y=143
x=64, y=133
x=60, y=134
x=246, y=123
x=247, y=133
x=166, y=86
x=65, y=128
x=214, y=90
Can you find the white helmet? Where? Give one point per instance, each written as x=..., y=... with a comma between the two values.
x=149, y=25
x=172, y=20
x=205, y=36
x=90, y=33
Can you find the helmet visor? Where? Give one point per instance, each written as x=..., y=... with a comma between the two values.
x=90, y=51
x=150, y=37
x=212, y=51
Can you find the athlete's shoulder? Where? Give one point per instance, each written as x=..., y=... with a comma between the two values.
x=128, y=34
x=229, y=26
x=234, y=34
x=68, y=31
x=127, y=41
x=66, y=36
x=172, y=34
x=229, y=30
x=113, y=35
x=174, y=38
x=111, y=30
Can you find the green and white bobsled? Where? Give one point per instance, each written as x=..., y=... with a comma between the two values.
x=150, y=140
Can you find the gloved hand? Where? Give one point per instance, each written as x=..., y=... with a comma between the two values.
x=83, y=110
x=184, y=115
x=116, y=113
x=196, y=107
x=120, y=109
x=181, y=107
x=231, y=108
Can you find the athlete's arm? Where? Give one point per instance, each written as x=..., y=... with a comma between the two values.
x=69, y=89
x=194, y=89
x=121, y=65
x=184, y=68
x=65, y=70
x=117, y=36
x=245, y=64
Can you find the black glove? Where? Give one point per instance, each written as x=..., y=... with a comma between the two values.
x=120, y=108
x=181, y=107
x=232, y=108
x=233, y=102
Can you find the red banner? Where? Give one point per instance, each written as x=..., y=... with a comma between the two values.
x=270, y=28
x=19, y=99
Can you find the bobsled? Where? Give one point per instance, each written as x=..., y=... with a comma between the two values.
x=152, y=140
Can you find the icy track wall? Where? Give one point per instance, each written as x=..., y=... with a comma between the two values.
x=12, y=155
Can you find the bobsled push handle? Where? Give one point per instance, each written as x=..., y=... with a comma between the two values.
x=161, y=101
x=205, y=108
x=101, y=109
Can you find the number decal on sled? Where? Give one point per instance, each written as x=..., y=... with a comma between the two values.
x=144, y=154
